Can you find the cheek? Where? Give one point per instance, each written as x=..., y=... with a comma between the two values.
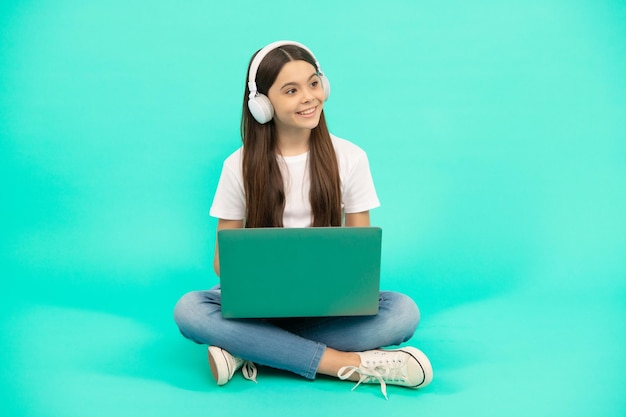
x=321, y=96
x=279, y=106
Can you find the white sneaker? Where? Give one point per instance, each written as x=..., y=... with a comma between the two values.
x=407, y=367
x=224, y=365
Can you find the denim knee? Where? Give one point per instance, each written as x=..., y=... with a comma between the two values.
x=191, y=313
x=401, y=315
x=182, y=310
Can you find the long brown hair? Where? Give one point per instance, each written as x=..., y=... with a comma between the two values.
x=263, y=181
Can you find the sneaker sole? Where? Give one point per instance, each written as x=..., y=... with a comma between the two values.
x=423, y=362
x=217, y=360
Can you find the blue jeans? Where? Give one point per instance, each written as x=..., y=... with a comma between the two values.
x=294, y=344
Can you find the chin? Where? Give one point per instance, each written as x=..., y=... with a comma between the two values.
x=310, y=124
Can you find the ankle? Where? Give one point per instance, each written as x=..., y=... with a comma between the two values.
x=332, y=360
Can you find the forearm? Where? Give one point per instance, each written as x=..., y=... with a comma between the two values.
x=223, y=224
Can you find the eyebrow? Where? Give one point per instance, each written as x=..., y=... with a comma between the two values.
x=295, y=83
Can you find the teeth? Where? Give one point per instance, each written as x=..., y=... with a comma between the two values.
x=309, y=111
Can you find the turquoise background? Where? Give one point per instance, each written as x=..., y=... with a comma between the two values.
x=496, y=135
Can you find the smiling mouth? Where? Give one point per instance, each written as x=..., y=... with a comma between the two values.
x=307, y=112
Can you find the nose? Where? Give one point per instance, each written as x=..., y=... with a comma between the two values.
x=308, y=96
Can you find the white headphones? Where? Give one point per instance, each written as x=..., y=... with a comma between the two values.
x=259, y=105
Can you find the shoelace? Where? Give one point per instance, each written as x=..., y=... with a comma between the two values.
x=379, y=373
x=248, y=369
x=366, y=375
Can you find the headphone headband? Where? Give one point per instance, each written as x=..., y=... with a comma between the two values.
x=256, y=62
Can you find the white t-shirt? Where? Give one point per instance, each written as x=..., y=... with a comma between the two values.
x=357, y=187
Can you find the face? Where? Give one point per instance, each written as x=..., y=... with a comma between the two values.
x=298, y=97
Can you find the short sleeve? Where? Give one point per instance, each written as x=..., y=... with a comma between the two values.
x=229, y=200
x=359, y=193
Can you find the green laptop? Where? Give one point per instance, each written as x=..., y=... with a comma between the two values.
x=299, y=272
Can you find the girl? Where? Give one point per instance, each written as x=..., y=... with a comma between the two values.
x=291, y=172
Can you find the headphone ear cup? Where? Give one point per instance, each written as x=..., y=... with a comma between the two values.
x=325, y=86
x=261, y=108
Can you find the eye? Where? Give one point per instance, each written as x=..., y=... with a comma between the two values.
x=315, y=84
x=290, y=91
